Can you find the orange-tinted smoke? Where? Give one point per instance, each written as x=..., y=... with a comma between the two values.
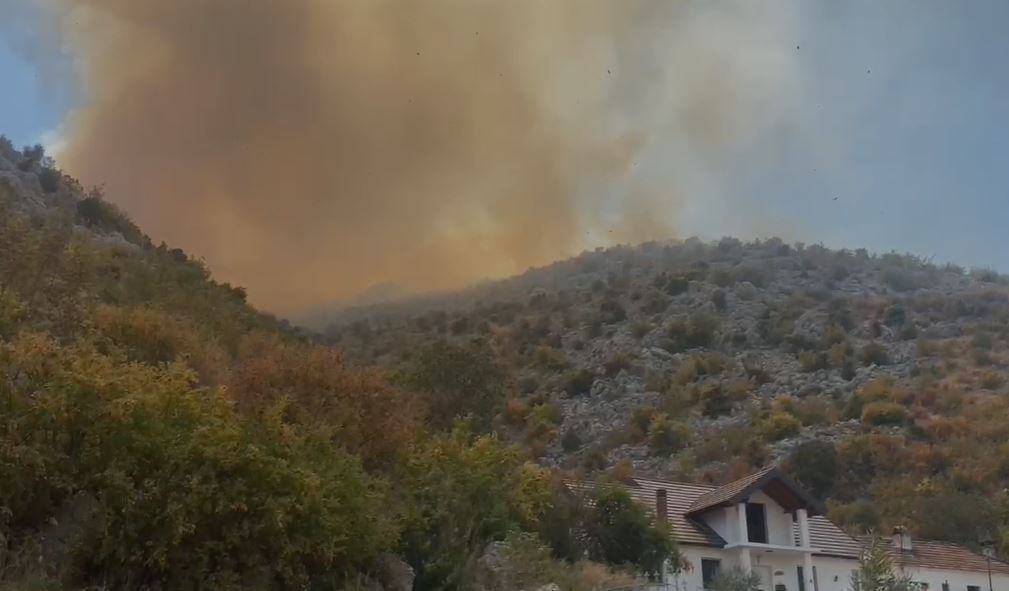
x=309, y=149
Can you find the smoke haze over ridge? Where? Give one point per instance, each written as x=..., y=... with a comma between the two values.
x=309, y=149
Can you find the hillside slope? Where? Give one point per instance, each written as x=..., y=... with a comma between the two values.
x=879, y=379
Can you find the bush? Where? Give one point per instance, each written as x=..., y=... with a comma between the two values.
x=50, y=179
x=814, y=465
x=616, y=363
x=571, y=441
x=736, y=579
x=779, y=426
x=697, y=331
x=168, y=465
x=874, y=354
x=715, y=402
x=458, y=381
x=676, y=286
x=93, y=211
x=883, y=413
x=718, y=298
x=810, y=361
x=550, y=358
x=666, y=437
x=579, y=382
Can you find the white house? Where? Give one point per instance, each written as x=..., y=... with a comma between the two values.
x=767, y=524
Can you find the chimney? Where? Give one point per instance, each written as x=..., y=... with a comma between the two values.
x=661, y=506
x=902, y=539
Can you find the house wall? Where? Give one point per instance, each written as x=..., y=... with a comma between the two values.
x=723, y=521
x=779, y=562
x=832, y=574
x=779, y=523
x=957, y=580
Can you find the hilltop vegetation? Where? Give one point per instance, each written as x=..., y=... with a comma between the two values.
x=157, y=432
x=880, y=381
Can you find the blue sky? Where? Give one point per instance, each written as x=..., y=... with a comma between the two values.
x=901, y=113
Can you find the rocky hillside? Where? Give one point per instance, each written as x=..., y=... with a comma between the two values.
x=701, y=361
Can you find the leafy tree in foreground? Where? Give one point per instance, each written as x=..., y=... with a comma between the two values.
x=464, y=492
x=620, y=532
x=183, y=492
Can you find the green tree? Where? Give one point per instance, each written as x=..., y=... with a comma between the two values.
x=458, y=381
x=464, y=491
x=184, y=490
x=814, y=465
x=620, y=532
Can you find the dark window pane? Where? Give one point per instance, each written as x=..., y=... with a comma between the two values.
x=709, y=570
x=756, y=523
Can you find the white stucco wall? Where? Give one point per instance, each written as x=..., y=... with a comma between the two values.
x=957, y=580
x=779, y=523
x=832, y=574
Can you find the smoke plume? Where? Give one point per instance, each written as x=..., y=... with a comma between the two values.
x=309, y=149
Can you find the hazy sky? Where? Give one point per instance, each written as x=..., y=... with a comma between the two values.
x=892, y=133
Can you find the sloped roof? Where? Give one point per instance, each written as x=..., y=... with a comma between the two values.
x=829, y=539
x=682, y=498
x=771, y=480
x=679, y=497
x=944, y=555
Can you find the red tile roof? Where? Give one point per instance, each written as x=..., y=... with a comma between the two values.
x=944, y=555
x=679, y=497
x=771, y=480
x=686, y=499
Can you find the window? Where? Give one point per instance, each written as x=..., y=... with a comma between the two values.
x=816, y=585
x=709, y=570
x=973, y=588
x=945, y=586
x=756, y=522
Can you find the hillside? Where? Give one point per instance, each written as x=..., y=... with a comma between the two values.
x=157, y=432
x=880, y=380
x=155, y=429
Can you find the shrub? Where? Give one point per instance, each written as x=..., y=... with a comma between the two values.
x=676, y=285
x=93, y=211
x=874, y=354
x=571, y=441
x=167, y=464
x=666, y=437
x=550, y=358
x=736, y=579
x=458, y=381
x=779, y=426
x=616, y=363
x=899, y=280
x=697, y=331
x=883, y=413
x=810, y=361
x=579, y=382
x=814, y=465
x=50, y=179
x=718, y=298
x=715, y=402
